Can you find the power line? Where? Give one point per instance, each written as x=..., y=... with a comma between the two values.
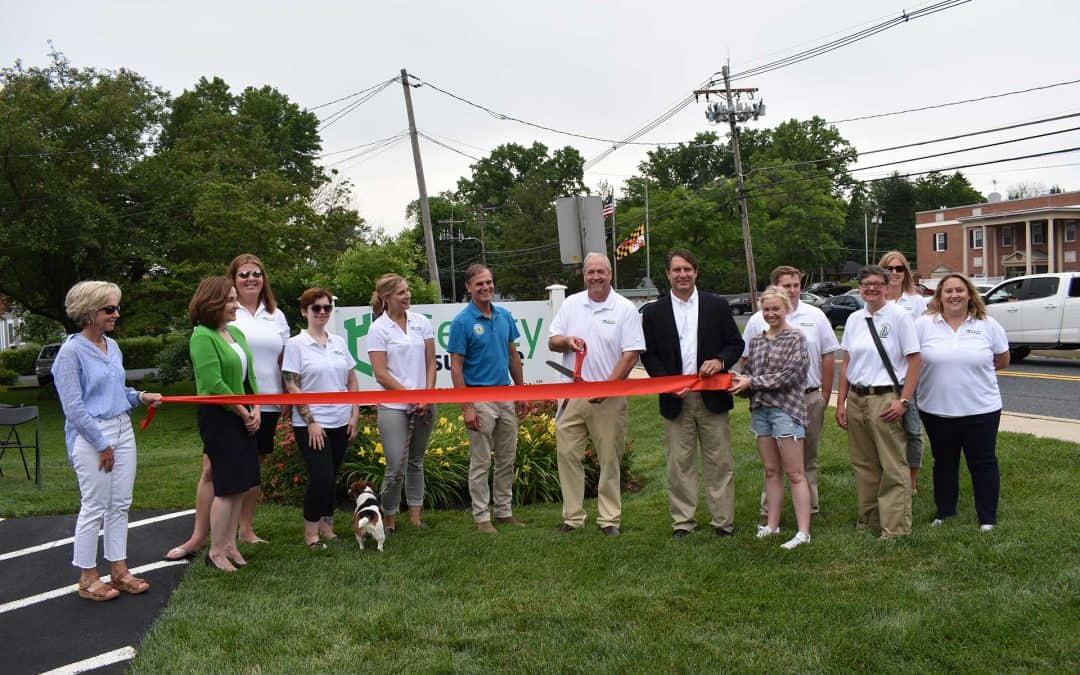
x=352, y=95
x=846, y=40
x=337, y=116
x=364, y=145
x=451, y=149
x=952, y=103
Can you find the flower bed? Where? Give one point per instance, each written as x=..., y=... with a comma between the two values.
x=446, y=462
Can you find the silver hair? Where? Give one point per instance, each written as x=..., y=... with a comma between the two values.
x=593, y=254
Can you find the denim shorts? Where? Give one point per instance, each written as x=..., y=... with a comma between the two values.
x=769, y=421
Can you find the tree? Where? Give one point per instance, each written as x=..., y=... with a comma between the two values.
x=1026, y=189
x=934, y=191
x=354, y=274
x=69, y=139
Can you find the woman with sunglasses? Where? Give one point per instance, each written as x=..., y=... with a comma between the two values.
x=223, y=365
x=901, y=290
x=317, y=361
x=89, y=376
x=266, y=331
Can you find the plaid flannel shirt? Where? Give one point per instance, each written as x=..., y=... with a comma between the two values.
x=777, y=372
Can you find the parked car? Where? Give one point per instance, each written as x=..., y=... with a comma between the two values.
x=924, y=290
x=983, y=289
x=838, y=308
x=1040, y=311
x=43, y=365
x=811, y=299
x=740, y=304
x=827, y=289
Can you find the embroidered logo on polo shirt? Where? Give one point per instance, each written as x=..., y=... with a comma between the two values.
x=885, y=329
x=973, y=331
x=807, y=324
x=477, y=329
x=608, y=322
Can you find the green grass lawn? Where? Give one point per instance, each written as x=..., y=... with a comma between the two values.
x=529, y=600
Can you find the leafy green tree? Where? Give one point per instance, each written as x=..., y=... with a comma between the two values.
x=935, y=190
x=69, y=139
x=354, y=273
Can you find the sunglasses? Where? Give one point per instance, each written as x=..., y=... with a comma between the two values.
x=320, y=309
x=110, y=309
x=253, y=273
x=899, y=269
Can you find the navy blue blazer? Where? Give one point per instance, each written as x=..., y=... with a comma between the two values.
x=718, y=337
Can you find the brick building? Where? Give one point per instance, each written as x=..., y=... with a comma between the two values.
x=1000, y=238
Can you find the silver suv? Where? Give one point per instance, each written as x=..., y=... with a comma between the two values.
x=43, y=365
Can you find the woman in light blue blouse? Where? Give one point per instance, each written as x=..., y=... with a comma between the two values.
x=89, y=377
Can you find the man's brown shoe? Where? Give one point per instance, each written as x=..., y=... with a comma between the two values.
x=564, y=529
x=486, y=527
x=510, y=520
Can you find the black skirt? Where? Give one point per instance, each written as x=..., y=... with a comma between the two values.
x=233, y=452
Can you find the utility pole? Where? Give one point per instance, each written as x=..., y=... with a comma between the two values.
x=732, y=113
x=453, y=268
x=425, y=209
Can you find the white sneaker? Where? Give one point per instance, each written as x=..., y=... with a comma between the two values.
x=799, y=539
x=986, y=528
x=764, y=531
x=938, y=522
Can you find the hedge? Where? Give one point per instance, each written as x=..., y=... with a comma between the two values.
x=20, y=360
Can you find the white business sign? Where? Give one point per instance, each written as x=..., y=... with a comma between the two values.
x=533, y=320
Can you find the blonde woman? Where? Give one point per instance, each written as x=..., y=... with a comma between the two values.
x=900, y=289
x=89, y=376
x=401, y=350
x=775, y=377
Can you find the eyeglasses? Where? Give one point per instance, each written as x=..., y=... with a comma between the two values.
x=320, y=309
x=253, y=273
x=110, y=309
x=899, y=269
x=872, y=284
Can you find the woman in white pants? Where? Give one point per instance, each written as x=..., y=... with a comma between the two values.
x=89, y=377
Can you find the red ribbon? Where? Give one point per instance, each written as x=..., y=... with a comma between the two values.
x=528, y=392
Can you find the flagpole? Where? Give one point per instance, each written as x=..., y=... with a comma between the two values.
x=614, y=248
x=648, y=274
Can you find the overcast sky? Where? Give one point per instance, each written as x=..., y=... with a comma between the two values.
x=597, y=68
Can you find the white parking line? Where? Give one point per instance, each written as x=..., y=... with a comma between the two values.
x=67, y=540
x=70, y=588
x=99, y=661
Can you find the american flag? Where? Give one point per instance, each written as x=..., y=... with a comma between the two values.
x=609, y=205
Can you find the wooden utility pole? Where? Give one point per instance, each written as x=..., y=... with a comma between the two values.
x=732, y=114
x=425, y=210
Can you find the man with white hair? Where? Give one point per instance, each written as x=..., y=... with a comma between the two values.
x=607, y=327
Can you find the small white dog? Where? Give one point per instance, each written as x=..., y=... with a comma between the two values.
x=367, y=516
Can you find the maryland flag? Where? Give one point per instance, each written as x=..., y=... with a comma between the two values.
x=632, y=244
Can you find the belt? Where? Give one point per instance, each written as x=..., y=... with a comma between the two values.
x=872, y=391
x=812, y=390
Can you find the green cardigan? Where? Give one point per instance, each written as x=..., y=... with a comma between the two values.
x=217, y=367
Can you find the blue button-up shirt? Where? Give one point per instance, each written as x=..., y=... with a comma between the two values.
x=91, y=386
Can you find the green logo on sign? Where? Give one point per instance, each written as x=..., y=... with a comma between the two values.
x=354, y=333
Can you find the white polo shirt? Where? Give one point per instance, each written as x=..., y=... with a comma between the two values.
x=266, y=335
x=898, y=337
x=320, y=369
x=914, y=303
x=686, y=318
x=609, y=328
x=957, y=376
x=820, y=338
x=406, y=352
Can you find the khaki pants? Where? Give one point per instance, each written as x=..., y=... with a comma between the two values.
x=697, y=425
x=605, y=423
x=815, y=418
x=498, y=434
x=879, y=461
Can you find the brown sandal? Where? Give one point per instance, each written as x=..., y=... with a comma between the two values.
x=97, y=590
x=130, y=584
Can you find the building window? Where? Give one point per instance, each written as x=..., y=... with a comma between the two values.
x=1006, y=235
x=975, y=238
x=1038, y=234
x=940, y=241
x=1070, y=230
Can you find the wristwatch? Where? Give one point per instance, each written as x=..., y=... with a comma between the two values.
x=905, y=402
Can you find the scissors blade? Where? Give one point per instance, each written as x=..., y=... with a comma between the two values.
x=561, y=368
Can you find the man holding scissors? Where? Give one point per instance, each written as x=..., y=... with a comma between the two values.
x=607, y=327
x=688, y=332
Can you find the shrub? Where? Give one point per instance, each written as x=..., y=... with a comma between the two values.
x=140, y=352
x=446, y=462
x=8, y=376
x=21, y=360
x=173, y=360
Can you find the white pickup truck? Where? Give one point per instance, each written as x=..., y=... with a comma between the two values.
x=1041, y=311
